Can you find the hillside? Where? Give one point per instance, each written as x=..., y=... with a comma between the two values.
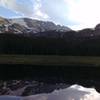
x=28, y=36
x=26, y=25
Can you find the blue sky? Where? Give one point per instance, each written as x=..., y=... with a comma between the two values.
x=8, y=13
x=76, y=14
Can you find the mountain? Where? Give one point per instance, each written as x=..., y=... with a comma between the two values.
x=26, y=25
x=28, y=36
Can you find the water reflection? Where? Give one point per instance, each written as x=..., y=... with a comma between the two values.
x=74, y=92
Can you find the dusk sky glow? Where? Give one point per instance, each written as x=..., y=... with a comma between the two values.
x=76, y=14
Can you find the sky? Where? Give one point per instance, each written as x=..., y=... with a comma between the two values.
x=76, y=14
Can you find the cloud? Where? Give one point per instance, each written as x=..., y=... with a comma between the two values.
x=38, y=13
x=51, y=10
x=30, y=8
x=57, y=11
x=18, y=7
x=84, y=12
x=76, y=14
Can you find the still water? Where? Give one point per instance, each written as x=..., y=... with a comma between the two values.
x=74, y=92
x=79, y=78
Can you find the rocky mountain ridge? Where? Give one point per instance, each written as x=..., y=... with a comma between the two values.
x=26, y=25
x=32, y=27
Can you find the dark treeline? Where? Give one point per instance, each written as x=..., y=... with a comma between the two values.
x=84, y=42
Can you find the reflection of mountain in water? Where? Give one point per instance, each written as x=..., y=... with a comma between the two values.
x=74, y=92
x=85, y=75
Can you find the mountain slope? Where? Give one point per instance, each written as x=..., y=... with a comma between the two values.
x=26, y=25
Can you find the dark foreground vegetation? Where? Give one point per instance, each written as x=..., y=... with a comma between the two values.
x=82, y=43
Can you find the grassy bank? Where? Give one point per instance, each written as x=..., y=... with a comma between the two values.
x=49, y=60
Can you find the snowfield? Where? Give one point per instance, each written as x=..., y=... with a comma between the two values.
x=74, y=92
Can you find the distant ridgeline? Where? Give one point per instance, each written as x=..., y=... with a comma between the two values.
x=77, y=43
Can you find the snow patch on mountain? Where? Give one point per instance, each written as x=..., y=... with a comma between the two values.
x=19, y=21
x=26, y=25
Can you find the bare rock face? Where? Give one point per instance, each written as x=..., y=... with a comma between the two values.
x=3, y=21
x=97, y=27
x=97, y=30
x=39, y=26
x=26, y=25
x=42, y=26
